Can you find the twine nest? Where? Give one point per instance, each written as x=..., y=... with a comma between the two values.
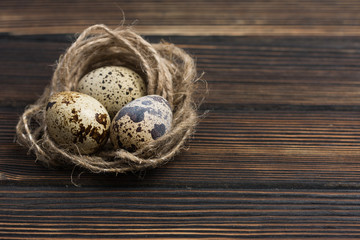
x=168, y=72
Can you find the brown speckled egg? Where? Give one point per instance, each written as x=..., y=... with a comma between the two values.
x=113, y=86
x=77, y=122
x=140, y=122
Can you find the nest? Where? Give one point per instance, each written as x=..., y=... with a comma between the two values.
x=168, y=72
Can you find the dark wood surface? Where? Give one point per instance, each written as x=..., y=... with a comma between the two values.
x=276, y=154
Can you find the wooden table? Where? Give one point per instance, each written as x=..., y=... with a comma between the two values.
x=277, y=155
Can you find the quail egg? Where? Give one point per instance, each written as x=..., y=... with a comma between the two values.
x=140, y=122
x=113, y=86
x=77, y=122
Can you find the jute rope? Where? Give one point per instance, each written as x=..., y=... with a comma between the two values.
x=168, y=72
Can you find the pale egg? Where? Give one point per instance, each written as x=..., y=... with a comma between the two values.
x=113, y=86
x=77, y=122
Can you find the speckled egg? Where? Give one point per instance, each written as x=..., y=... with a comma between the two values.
x=140, y=122
x=113, y=86
x=77, y=122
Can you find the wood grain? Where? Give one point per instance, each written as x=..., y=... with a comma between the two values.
x=247, y=149
x=240, y=71
x=275, y=156
x=283, y=113
x=58, y=213
x=235, y=18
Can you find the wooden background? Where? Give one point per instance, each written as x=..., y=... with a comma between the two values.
x=277, y=155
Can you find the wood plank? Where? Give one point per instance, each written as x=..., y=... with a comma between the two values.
x=236, y=18
x=283, y=112
x=240, y=71
x=239, y=149
x=271, y=159
x=88, y=213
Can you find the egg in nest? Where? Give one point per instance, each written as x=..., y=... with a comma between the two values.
x=77, y=122
x=140, y=122
x=113, y=86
